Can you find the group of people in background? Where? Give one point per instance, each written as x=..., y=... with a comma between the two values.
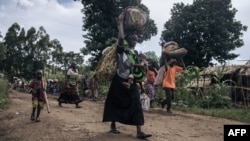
x=69, y=95
x=89, y=87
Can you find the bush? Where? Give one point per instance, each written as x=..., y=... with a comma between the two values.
x=216, y=97
x=3, y=94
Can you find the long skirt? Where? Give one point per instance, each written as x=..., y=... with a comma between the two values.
x=122, y=104
x=70, y=95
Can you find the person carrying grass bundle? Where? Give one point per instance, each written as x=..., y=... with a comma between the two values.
x=123, y=100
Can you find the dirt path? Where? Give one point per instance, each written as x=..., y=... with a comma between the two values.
x=70, y=124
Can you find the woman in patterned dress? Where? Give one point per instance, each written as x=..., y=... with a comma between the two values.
x=70, y=93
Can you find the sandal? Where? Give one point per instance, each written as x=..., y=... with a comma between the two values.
x=115, y=131
x=143, y=136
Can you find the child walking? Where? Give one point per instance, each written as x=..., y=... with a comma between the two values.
x=38, y=89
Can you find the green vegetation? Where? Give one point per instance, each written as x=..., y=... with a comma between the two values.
x=10, y=138
x=100, y=25
x=193, y=96
x=193, y=106
x=206, y=35
x=24, y=51
x=3, y=94
x=241, y=115
x=215, y=102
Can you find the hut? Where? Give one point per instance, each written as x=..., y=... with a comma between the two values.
x=208, y=75
x=243, y=84
x=236, y=76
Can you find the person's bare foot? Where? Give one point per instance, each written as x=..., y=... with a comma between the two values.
x=143, y=136
x=114, y=131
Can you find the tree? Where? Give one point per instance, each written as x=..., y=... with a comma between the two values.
x=27, y=51
x=2, y=49
x=207, y=29
x=152, y=59
x=100, y=24
x=2, y=53
x=66, y=58
x=14, y=59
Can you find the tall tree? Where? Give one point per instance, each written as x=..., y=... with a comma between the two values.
x=66, y=58
x=100, y=24
x=2, y=53
x=153, y=59
x=207, y=29
x=28, y=51
x=14, y=59
x=2, y=49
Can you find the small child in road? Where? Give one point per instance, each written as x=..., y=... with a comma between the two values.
x=37, y=87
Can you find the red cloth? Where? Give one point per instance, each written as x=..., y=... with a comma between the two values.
x=38, y=89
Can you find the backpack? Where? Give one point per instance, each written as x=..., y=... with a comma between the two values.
x=107, y=64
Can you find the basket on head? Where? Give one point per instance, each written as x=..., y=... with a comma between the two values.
x=135, y=19
x=173, y=50
x=170, y=46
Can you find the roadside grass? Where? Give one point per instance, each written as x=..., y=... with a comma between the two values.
x=4, y=101
x=7, y=117
x=10, y=138
x=237, y=114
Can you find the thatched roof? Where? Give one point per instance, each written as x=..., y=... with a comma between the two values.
x=226, y=69
x=242, y=70
x=245, y=70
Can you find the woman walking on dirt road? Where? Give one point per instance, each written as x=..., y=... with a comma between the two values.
x=70, y=93
x=123, y=103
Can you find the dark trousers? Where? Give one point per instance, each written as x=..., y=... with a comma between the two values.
x=169, y=92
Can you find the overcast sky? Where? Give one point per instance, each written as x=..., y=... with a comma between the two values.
x=62, y=19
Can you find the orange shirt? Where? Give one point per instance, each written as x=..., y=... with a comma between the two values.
x=169, y=76
x=150, y=75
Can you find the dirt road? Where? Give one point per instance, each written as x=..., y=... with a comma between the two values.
x=68, y=123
